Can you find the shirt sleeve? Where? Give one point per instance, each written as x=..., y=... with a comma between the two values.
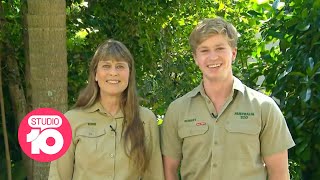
x=171, y=143
x=275, y=135
x=155, y=168
x=62, y=168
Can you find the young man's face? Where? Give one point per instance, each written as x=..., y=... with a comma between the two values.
x=214, y=57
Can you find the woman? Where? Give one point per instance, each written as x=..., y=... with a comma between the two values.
x=113, y=137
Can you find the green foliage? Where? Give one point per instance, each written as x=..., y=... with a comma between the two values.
x=292, y=75
x=11, y=40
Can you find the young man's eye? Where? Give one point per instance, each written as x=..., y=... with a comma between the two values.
x=220, y=48
x=204, y=50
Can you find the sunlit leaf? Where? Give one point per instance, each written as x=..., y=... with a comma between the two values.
x=305, y=95
x=221, y=6
x=303, y=26
x=275, y=4
x=253, y=13
x=181, y=22
x=311, y=63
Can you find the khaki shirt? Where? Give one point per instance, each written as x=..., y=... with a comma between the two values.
x=97, y=152
x=225, y=146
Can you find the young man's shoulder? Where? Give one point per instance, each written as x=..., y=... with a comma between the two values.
x=258, y=96
x=183, y=100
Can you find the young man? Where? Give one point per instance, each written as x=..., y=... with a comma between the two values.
x=222, y=129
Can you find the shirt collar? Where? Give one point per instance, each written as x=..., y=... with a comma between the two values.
x=97, y=106
x=237, y=85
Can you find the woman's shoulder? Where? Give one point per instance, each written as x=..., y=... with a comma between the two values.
x=77, y=115
x=146, y=114
x=145, y=111
x=74, y=112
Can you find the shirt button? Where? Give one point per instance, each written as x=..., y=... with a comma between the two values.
x=111, y=155
x=215, y=142
x=214, y=165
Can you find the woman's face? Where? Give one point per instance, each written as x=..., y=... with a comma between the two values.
x=112, y=77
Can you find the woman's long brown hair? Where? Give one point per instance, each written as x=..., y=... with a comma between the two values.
x=133, y=130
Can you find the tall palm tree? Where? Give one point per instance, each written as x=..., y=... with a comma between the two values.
x=46, y=62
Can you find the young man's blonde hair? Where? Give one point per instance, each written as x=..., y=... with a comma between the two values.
x=211, y=26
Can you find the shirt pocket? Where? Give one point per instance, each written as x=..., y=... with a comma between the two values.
x=243, y=127
x=195, y=141
x=190, y=131
x=90, y=139
x=90, y=132
x=243, y=135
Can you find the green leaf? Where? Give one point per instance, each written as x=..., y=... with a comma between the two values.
x=286, y=72
x=303, y=26
x=311, y=63
x=297, y=74
x=306, y=154
x=305, y=95
x=301, y=147
x=275, y=4
x=253, y=13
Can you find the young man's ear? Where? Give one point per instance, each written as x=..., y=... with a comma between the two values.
x=234, y=54
x=194, y=58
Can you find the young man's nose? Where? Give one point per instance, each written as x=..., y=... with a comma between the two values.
x=212, y=55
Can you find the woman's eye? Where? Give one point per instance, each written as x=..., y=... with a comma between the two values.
x=120, y=66
x=106, y=66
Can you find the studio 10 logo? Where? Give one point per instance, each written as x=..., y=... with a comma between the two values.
x=44, y=134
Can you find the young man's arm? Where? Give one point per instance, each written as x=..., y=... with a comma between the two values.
x=277, y=166
x=170, y=168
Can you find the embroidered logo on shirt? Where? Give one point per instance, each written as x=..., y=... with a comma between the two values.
x=244, y=115
x=201, y=123
x=190, y=120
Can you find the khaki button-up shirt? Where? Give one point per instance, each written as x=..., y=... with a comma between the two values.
x=97, y=150
x=225, y=146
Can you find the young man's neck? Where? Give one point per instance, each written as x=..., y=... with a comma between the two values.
x=218, y=91
x=218, y=87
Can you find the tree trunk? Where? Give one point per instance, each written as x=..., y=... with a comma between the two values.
x=46, y=61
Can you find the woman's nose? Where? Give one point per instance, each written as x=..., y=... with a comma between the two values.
x=113, y=71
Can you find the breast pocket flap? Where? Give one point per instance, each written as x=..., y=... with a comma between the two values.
x=192, y=131
x=242, y=127
x=90, y=133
